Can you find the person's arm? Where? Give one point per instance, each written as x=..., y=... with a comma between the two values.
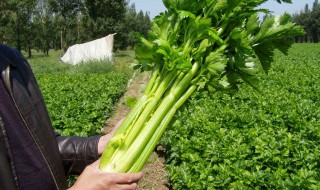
x=78, y=152
x=94, y=179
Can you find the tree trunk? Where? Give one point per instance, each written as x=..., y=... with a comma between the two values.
x=315, y=37
x=29, y=46
x=18, y=38
x=29, y=51
x=61, y=40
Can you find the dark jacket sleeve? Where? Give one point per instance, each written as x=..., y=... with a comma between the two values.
x=77, y=152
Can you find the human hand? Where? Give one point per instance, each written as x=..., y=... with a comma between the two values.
x=104, y=140
x=92, y=178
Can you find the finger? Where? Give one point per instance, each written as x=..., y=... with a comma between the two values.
x=119, y=122
x=132, y=186
x=128, y=178
x=115, y=128
x=95, y=164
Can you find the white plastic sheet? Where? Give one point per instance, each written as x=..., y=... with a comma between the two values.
x=99, y=49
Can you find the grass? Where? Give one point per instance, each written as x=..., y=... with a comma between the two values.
x=51, y=64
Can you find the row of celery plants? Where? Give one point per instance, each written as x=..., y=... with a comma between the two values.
x=252, y=141
x=80, y=104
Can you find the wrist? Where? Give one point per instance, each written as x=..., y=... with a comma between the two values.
x=103, y=141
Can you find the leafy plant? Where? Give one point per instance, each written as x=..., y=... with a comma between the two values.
x=131, y=102
x=204, y=45
x=248, y=141
x=80, y=104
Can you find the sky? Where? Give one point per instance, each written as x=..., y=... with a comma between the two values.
x=154, y=7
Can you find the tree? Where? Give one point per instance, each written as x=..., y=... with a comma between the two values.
x=315, y=24
x=43, y=24
x=136, y=23
x=305, y=21
x=108, y=17
x=5, y=19
x=67, y=11
x=17, y=23
x=310, y=20
x=131, y=22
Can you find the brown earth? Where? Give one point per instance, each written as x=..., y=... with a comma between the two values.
x=155, y=176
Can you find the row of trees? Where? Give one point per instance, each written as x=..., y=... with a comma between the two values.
x=309, y=18
x=57, y=24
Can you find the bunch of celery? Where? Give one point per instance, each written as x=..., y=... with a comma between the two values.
x=196, y=45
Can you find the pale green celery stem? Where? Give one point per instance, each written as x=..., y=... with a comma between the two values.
x=155, y=87
x=152, y=80
x=181, y=75
x=144, y=156
x=149, y=109
x=185, y=83
x=178, y=80
x=136, y=111
x=140, y=104
x=130, y=155
x=176, y=91
x=106, y=155
x=127, y=124
x=143, y=117
x=127, y=157
x=113, y=144
x=186, y=46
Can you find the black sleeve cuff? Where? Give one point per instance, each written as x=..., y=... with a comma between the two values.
x=78, y=152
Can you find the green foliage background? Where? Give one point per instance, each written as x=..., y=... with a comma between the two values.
x=81, y=98
x=57, y=24
x=80, y=104
x=252, y=141
x=309, y=18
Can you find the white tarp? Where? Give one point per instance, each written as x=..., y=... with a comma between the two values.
x=100, y=49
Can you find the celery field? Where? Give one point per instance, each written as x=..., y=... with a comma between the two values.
x=245, y=141
x=80, y=104
x=80, y=98
x=250, y=140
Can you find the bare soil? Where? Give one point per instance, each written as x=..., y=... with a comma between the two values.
x=155, y=175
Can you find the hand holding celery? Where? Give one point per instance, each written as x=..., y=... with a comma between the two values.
x=196, y=45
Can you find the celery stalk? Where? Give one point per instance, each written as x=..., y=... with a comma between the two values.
x=194, y=46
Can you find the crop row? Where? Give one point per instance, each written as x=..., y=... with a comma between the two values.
x=79, y=104
x=267, y=140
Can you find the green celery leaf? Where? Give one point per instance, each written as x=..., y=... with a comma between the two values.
x=253, y=24
x=275, y=33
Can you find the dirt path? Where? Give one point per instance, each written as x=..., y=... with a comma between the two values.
x=154, y=172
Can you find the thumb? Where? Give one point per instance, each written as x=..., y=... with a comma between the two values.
x=95, y=164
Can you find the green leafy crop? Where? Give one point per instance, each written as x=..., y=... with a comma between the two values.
x=80, y=104
x=248, y=141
